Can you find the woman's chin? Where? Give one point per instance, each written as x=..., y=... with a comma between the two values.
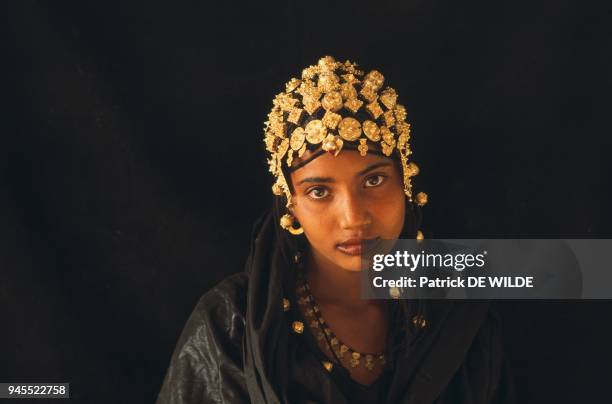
x=350, y=263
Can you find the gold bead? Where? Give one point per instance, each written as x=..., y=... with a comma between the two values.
x=355, y=359
x=328, y=365
x=420, y=236
x=394, y=292
x=292, y=84
x=328, y=81
x=374, y=109
x=400, y=112
x=286, y=304
x=327, y=63
x=421, y=198
x=388, y=97
x=419, y=321
x=374, y=79
x=331, y=119
x=353, y=104
x=295, y=115
x=298, y=327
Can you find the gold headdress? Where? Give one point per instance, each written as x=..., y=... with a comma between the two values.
x=341, y=90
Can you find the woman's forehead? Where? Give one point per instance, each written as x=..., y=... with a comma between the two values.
x=346, y=161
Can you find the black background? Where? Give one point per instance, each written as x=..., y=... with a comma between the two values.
x=133, y=164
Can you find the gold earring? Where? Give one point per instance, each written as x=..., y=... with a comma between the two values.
x=286, y=223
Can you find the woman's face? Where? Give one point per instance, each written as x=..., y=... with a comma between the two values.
x=347, y=197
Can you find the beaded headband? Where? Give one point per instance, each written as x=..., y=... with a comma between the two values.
x=341, y=91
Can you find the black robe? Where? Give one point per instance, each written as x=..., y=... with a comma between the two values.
x=238, y=346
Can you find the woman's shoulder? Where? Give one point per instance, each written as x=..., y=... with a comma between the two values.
x=222, y=309
x=227, y=296
x=209, y=350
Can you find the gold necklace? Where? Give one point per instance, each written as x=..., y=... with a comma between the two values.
x=323, y=333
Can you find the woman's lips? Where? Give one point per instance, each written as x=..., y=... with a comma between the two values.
x=350, y=249
x=353, y=248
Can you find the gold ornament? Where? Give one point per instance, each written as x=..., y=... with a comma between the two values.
x=419, y=321
x=355, y=356
x=298, y=327
x=311, y=104
x=315, y=131
x=374, y=109
x=395, y=292
x=353, y=104
x=295, y=115
x=332, y=101
x=292, y=85
x=347, y=90
x=371, y=130
x=400, y=112
x=326, y=337
x=331, y=119
x=363, y=147
x=369, y=362
x=412, y=169
x=374, y=80
x=332, y=144
x=350, y=129
x=388, y=98
x=369, y=93
x=387, y=135
x=302, y=150
x=420, y=237
x=286, y=223
x=341, y=89
x=389, y=118
x=328, y=81
x=421, y=198
x=297, y=138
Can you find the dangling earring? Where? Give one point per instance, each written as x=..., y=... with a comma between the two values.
x=286, y=223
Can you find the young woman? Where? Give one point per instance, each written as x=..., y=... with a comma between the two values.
x=293, y=327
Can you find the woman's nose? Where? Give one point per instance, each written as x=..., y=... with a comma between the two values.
x=353, y=213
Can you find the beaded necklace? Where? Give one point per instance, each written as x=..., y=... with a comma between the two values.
x=333, y=345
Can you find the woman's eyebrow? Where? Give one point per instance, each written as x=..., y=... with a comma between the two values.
x=372, y=167
x=362, y=172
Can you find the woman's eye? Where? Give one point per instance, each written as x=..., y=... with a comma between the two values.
x=374, y=180
x=317, y=193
